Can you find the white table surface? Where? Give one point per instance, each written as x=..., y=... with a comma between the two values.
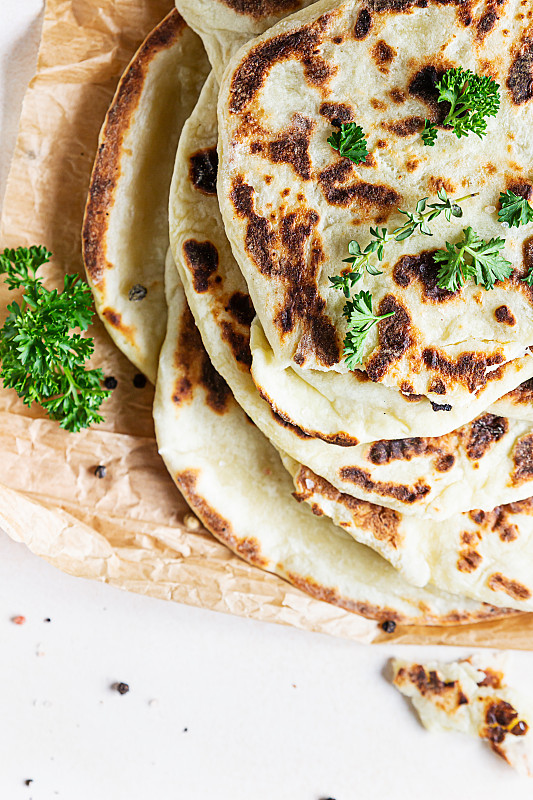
x=220, y=708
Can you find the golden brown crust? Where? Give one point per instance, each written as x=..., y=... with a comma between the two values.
x=250, y=76
x=514, y=589
x=194, y=369
x=520, y=78
x=382, y=614
x=259, y=9
x=523, y=460
x=249, y=549
x=382, y=522
x=501, y=719
x=341, y=439
x=523, y=394
x=484, y=431
x=114, y=318
x=106, y=170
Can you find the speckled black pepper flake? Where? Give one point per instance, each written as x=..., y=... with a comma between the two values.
x=137, y=293
x=185, y=730
x=100, y=471
x=28, y=782
x=121, y=688
x=110, y=382
x=47, y=619
x=139, y=381
x=440, y=406
x=389, y=626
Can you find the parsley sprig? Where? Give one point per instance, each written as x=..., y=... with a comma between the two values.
x=472, y=257
x=473, y=98
x=514, y=210
x=350, y=141
x=42, y=359
x=429, y=133
x=417, y=221
x=361, y=319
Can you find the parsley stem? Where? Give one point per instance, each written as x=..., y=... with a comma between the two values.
x=73, y=388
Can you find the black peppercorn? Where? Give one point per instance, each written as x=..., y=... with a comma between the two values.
x=100, y=471
x=137, y=293
x=110, y=382
x=139, y=381
x=389, y=626
x=121, y=688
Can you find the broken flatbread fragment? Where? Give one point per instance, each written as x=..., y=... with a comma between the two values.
x=471, y=697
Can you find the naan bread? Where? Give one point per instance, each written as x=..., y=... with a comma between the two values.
x=349, y=408
x=486, y=555
x=471, y=697
x=487, y=461
x=234, y=481
x=225, y=25
x=125, y=232
x=518, y=403
x=291, y=203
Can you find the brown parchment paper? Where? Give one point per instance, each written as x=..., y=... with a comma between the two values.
x=128, y=528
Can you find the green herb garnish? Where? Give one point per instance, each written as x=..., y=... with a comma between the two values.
x=529, y=278
x=473, y=98
x=429, y=134
x=515, y=210
x=473, y=257
x=358, y=312
x=41, y=359
x=350, y=142
x=416, y=221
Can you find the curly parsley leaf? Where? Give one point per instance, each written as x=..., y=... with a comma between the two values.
x=429, y=133
x=350, y=141
x=515, y=210
x=473, y=99
x=361, y=319
x=473, y=257
x=42, y=359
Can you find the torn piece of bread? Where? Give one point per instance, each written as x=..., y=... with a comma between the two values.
x=473, y=698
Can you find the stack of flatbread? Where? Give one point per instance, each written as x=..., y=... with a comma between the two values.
x=400, y=490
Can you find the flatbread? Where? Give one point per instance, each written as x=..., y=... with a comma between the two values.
x=486, y=555
x=471, y=696
x=234, y=481
x=495, y=564
x=517, y=403
x=225, y=25
x=488, y=461
x=291, y=203
x=125, y=231
x=349, y=409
